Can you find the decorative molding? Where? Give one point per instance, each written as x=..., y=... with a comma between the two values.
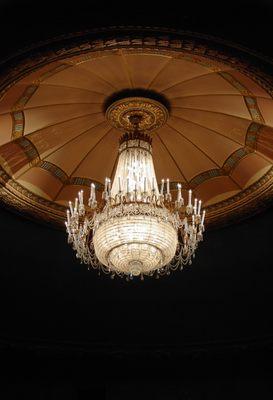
x=230, y=163
x=22, y=101
x=204, y=176
x=18, y=124
x=252, y=106
x=249, y=98
x=29, y=149
x=233, y=160
x=194, y=46
x=27, y=203
x=153, y=114
x=252, y=135
x=54, y=170
x=18, y=117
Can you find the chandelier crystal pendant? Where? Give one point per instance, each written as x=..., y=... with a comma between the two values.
x=136, y=227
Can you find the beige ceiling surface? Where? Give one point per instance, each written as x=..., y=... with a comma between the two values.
x=54, y=139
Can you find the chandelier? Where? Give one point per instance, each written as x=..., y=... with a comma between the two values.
x=135, y=226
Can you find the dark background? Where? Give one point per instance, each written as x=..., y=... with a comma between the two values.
x=206, y=332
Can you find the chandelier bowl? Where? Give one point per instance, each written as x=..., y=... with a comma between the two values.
x=135, y=244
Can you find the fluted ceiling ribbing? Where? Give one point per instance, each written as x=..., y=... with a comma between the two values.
x=55, y=140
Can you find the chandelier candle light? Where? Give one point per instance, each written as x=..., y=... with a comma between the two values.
x=135, y=228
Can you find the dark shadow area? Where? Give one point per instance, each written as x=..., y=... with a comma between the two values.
x=62, y=323
x=246, y=22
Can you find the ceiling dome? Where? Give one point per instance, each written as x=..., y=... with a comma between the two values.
x=55, y=139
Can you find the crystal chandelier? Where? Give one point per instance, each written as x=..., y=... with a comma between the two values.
x=135, y=227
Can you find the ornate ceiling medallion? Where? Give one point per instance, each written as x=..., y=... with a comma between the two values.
x=153, y=114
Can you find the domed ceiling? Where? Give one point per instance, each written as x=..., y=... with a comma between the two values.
x=55, y=139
